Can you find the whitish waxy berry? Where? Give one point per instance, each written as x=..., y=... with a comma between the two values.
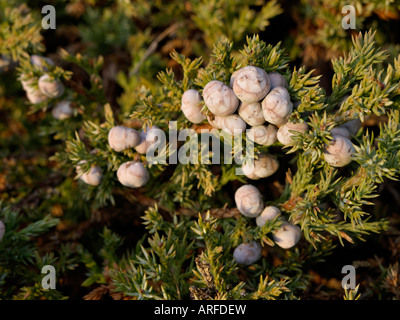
x=287, y=236
x=247, y=253
x=191, y=106
x=249, y=201
x=251, y=84
x=340, y=131
x=93, y=177
x=352, y=126
x=62, y=110
x=133, y=174
x=2, y=230
x=220, y=99
x=145, y=140
x=285, y=136
x=233, y=77
x=277, y=80
x=33, y=93
x=347, y=129
x=122, y=138
x=28, y=83
x=36, y=96
x=40, y=61
x=277, y=106
x=52, y=88
x=216, y=121
x=339, y=152
x=144, y=144
x=263, y=167
x=233, y=124
x=251, y=113
x=264, y=135
x=269, y=213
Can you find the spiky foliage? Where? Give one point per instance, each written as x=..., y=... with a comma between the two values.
x=328, y=204
x=320, y=32
x=184, y=248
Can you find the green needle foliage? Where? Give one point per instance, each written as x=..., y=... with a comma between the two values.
x=174, y=238
x=186, y=256
x=20, y=261
x=319, y=26
x=19, y=30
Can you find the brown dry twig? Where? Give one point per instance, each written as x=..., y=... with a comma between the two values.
x=224, y=212
x=153, y=46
